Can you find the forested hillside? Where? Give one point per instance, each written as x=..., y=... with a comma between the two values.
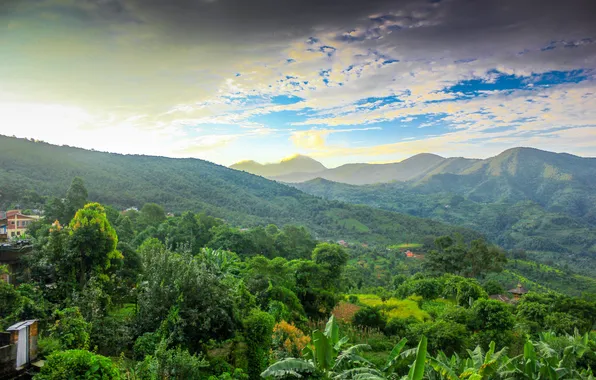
x=526, y=225
x=189, y=184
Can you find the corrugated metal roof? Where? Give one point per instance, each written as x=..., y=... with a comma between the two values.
x=21, y=325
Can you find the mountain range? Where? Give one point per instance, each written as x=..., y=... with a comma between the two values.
x=302, y=168
x=523, y=198
x=31, y=169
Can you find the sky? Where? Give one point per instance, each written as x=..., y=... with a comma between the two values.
x=338, y=80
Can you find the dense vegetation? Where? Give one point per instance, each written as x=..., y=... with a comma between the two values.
x=560, y=234
x=32, y=171
x=143, y=295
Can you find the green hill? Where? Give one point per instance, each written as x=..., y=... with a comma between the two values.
x=523, y=225
x=240, y=198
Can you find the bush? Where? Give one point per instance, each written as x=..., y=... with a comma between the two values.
x=399, y=326
x=47, y=346
x=448, y=337
x=110, y=335
x=77, y=364
x=71, y=329
x=370, y=317
x=288, y=340
x=145, y=345
x=493, y=287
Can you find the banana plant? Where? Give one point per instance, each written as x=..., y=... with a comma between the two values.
x=326, y=355
x=541, y=361
x=478, y=366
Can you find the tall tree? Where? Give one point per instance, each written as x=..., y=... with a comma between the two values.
x=333, y=258
x=151, y=214
x=55, y=210
x=76, y=198
x=92, y=241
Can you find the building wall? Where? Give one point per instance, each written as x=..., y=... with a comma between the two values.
x=18, y=223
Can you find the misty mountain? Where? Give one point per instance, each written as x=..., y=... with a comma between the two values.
x=293, y=164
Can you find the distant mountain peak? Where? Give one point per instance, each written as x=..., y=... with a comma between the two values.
x=295, y=163
x=246, y=162
x=297, y=156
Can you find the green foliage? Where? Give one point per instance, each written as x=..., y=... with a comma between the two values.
x=471, y=261
x=71, y=329
x=76, y=198
x=174, y=363
x=92, y=242
x=146, y=344
x=493, y=322
x=47, y=346
x=448, y=336
x=332, y=258
x=370, y=317
x=151, y=215
x=172, y=280
x=493, y=287
x=258, y=327
x=77, y=364
x=182, y=185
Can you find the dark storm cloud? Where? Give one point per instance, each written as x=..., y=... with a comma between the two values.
x=243, y=19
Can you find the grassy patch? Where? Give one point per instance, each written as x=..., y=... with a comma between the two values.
x=126, y=311
x=405, y=245
x=394, y=308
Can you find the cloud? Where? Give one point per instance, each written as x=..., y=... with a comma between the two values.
x=202, y=71
x=315, y=139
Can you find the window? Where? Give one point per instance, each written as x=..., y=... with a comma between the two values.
x=19, y=233
x=12, y=233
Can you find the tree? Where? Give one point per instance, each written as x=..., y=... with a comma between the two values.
x=494, y=322
x=92, y=242
x=332, y=258
x=493, y=287
x=456, y=258
x=77, y=364
x=125, y=229
x=55, y=210
x=258, y=327
x=203, y=298
x=76, y=198
x=151, y=214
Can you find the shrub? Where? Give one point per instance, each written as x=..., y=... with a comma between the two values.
x=288, y=340
x=493, y=287
x=47, y=346
x=145, y=345
x=77, y=364
x=370, y=317
x=399, y=326
x=71, y=329
x=345, y=311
